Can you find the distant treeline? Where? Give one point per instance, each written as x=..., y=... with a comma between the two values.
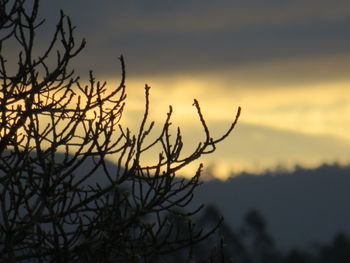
x=251, y=243
x=334, y=169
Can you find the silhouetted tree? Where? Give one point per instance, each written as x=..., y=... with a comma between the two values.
x=299, y=256
x=338, y=251
x=60, y=199
x=250, y=243
x=258, y=241
x=234, y=249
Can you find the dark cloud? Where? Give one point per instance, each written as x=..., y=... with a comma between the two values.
x=174, y=37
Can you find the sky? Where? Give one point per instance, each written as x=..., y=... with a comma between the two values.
x=286, y=63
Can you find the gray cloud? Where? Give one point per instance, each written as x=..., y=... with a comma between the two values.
x=175, y=37
x=199, y=15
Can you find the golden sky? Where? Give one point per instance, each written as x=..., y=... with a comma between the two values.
x=304, y=124
x=286, y=63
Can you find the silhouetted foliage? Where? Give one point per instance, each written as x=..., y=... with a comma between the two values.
x=296, y=255
x=332, y=169
x=251, y=243
x=338, y=251
x=60, y=199
x=259, y=242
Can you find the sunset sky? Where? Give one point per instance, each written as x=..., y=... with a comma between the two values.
x=286, y=63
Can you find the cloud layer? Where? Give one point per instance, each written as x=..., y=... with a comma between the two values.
x=177, y=37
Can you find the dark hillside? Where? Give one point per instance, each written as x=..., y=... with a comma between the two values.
x=300, y=207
